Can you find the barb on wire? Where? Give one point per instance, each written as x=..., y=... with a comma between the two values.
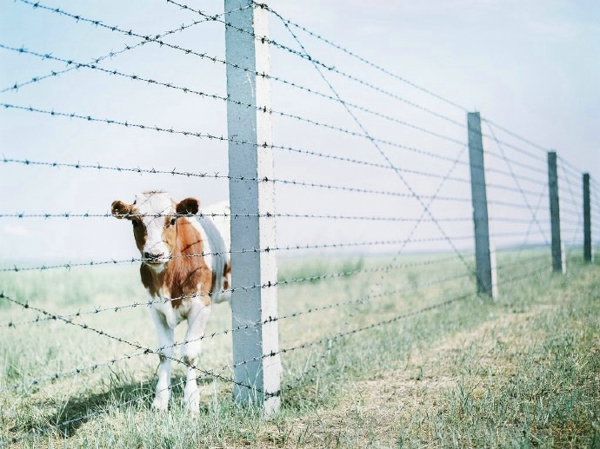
x=330, y=340
x=113, y=72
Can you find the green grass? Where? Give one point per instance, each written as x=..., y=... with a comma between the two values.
x=520, y=372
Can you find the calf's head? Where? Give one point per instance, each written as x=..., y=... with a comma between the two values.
x=154, y=218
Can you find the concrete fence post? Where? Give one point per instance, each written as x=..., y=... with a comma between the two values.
x=558, y=249
x=588, y=255
x=257, y=367
x=485, y=257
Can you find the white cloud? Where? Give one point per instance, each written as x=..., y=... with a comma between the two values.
x=20, y=231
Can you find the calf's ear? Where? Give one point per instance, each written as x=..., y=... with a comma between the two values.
x=189, y=206
x=121, y=210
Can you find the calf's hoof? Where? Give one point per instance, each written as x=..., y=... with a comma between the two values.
x=160, y=403
x=191, y=400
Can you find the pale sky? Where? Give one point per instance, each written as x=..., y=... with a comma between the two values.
x=531, y=67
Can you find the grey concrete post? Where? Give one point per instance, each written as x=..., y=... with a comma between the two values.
x=558, y=249
x=588, y=255
x=257, y=367
x=485, y=257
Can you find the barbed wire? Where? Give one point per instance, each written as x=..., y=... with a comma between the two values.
x=521, y=190
x=291, y=247
x=506, y=188
x=506, y=204
x=517, y=136
x=73, y=372
x=203, y=135
x=492, y=124
x=70, y=215
x=408, y=314
x=126, y=124
x=146, y=351
x=534, y=169
x=186, y=90
x=364, y=60
x=283, y=282
x=148, y=38
x=175, y=172
x=223, y=139
x=381, y=152
x=229, y=380
x=302, y=54
x=188, y=51
x=112, y=54
x=328, y=340
x=570, y=167
x=102, y=333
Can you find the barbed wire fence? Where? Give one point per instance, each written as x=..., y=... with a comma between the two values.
x=374, y=209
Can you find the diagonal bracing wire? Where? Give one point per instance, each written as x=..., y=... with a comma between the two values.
x=381, y=152
x=517, y=182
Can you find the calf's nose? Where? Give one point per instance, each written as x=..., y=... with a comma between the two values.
x=152, y=256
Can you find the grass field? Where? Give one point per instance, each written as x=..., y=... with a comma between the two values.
x=407, y=356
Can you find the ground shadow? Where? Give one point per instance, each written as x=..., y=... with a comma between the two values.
x=78, y=410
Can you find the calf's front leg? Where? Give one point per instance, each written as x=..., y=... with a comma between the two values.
x=190, y=353
x=166, y=342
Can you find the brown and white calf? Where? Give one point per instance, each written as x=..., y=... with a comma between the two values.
x=185, y=268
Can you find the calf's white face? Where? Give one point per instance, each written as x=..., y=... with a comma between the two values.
x=154, y=220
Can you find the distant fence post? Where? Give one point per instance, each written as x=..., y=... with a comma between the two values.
x=257, y=366
x=558, y=250
x=588, y=256
x=485, y=257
